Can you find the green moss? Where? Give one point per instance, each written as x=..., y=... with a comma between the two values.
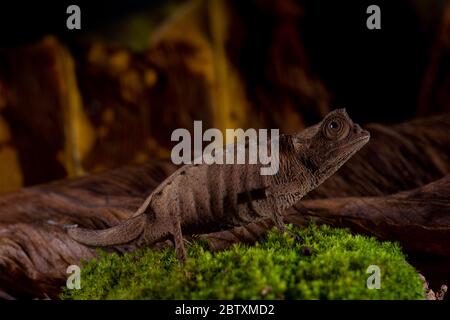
x=277, y=268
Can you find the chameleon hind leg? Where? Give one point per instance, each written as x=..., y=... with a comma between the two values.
x=177, y=233
x=178, y=241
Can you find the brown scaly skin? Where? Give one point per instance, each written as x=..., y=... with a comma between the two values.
x=208, y=198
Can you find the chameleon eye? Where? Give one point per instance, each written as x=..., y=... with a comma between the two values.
x=333, y=125
x=336, y=128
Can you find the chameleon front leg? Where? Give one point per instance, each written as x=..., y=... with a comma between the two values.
x=277, y=218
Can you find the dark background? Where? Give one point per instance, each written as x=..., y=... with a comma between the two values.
x=375, y=74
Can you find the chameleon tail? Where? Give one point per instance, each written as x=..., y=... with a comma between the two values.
x=123, y=233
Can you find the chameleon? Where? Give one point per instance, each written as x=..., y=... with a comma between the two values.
x=205, y=198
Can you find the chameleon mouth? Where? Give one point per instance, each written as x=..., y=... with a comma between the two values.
x=360, y=141
x=364, y=138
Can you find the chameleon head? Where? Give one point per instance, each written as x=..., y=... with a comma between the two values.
x=325, y=147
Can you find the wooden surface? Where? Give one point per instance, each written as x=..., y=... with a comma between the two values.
x=363, y=195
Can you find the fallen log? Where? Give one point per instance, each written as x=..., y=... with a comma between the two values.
x=419, y=219
x=35, y=251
